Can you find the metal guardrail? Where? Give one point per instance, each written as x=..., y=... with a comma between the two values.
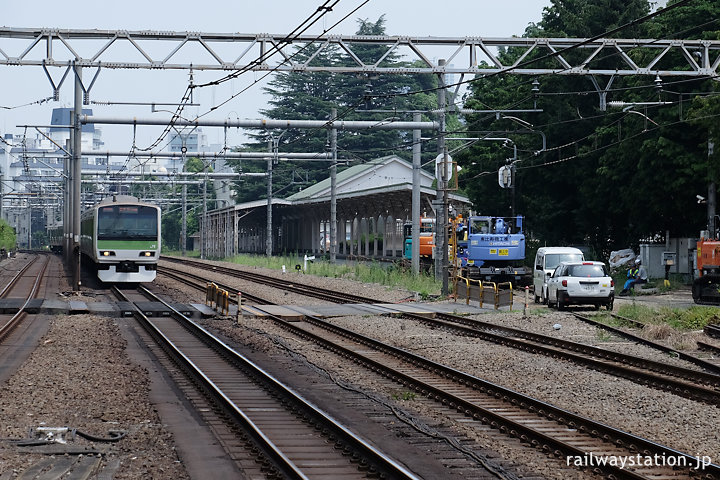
x=497, y=294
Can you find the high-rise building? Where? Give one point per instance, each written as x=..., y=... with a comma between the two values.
x=31, y=173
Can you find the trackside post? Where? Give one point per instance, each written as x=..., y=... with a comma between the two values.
x=239, y=311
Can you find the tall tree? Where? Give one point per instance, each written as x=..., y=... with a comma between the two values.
x=607, y=178
x=312, y=96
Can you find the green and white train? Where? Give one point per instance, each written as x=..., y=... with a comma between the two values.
x=121, y=237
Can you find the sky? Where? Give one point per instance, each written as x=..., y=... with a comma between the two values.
x=24, y=85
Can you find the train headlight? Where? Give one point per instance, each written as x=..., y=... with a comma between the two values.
x=107, y=253
x=147, y=254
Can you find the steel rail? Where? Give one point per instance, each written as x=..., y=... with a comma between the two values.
x=681, y=355
x=181, y=276
x=279, y=460
x=709, y=347
x=510, y=337
x=618, y=437
x=381, y=461
x=608, y=434
x=369, y=455
x=16, y=277
x=712, y=330
x=17, y=318
x=289, y=285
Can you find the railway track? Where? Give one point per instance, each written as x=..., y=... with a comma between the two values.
x=296, y=440
x=555, y=431
x=26, y=283
x=693, y=384
x=712, y=330
x=711, y=365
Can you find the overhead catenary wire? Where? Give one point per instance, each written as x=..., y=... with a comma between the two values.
x=529, y=62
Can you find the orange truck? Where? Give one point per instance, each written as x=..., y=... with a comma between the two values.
x=706, y=287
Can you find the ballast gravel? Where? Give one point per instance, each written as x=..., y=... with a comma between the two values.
x=683, y=424
x=81, y=377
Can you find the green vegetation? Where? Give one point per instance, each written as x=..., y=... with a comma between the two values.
x=404, y=396
x=595, y=154
x=172, y=214
x=8, y=240
x=693, y=318
x=313, y=95
x=392, y=276
x=603, y=335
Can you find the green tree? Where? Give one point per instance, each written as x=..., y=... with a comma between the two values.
x=313, y=95
x=609, y=179
x=8, y=240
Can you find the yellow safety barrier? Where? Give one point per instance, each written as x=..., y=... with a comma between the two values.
x=210, y=293
x=488, y=293
x=217, y=298
x=223, y=301
x=504, y=296
x=496, y=294
x=468, y=282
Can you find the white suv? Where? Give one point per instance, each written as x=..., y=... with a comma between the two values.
x=581, y=283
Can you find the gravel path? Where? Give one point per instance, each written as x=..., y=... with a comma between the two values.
x=80, y=377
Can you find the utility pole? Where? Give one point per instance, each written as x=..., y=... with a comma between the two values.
x=76, y=174
x=274, y=145
x=203, y=226
x=183, y=230
x=417, y=165
x=67, y=217
x=333, y=187
x=711, y=198
x=441, y=202
x=512, y=180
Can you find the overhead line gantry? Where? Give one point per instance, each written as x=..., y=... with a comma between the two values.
x=237, y=52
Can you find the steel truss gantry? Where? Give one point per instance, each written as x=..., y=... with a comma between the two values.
x=123, y=49
x=236, y=52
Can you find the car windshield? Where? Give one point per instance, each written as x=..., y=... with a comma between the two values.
x=586, y=271
x=552, y=260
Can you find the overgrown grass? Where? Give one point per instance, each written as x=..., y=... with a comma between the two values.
x=607, y=319
x=603, y=335
x=693, y=318
x=390, y=276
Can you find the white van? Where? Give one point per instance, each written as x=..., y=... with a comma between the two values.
x=546, y=259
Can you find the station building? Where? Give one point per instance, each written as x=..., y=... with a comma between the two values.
x=373, y=202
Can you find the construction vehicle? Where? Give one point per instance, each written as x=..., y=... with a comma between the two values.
x=427, y=239
x=706, y=287
x=492, y=249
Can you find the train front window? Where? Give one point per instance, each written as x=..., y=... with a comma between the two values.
x=120, y=222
